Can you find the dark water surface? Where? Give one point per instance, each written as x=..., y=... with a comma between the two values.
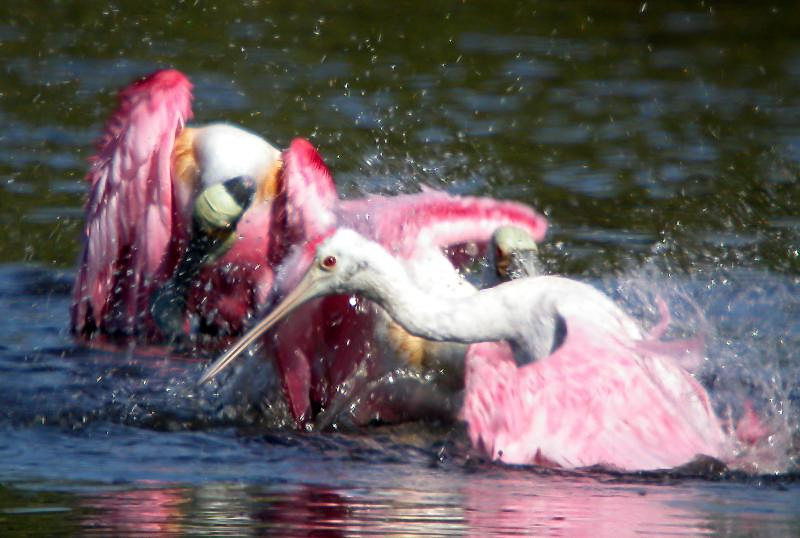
x=661, y=139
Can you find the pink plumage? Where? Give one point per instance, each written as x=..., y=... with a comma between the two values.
x=556, y=373
x=133, y=214
x=327, y=340
x=599, y=399
x=137, y=223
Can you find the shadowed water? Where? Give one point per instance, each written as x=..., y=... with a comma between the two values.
x=662, y=141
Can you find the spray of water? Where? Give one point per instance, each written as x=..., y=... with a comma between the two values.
x=744, y=364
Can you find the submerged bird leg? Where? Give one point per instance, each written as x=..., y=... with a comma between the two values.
x=217, y=211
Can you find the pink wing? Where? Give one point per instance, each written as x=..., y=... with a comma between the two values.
x=133, y=222
x=302, y=213
x=308, y=210
x=596, y=400
x=433, y=219
x=308, y=195
x=311, y=209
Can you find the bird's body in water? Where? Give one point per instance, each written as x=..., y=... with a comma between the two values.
x=187, y=227
x=601, y=397
x=169, y=205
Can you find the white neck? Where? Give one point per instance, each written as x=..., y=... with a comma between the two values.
x=526, y=312
x=479, y=317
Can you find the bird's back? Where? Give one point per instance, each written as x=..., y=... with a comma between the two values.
x=599, y=399
x=536, y=307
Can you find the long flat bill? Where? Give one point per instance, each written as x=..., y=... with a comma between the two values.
x=298, y=296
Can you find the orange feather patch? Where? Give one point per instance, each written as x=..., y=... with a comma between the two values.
x=411, y=348
x=268, y=185
x=184, y=161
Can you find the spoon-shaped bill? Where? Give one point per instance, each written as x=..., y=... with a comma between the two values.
x=305, y=290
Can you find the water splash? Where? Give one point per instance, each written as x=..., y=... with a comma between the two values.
x=744, y=364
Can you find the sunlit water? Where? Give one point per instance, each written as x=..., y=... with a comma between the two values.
x=661, y=141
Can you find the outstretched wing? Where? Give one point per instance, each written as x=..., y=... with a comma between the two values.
x=432, y=219
x=302, y=213
x=134, y=214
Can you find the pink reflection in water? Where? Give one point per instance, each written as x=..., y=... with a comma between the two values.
x=570, y=506
x=490, y=502
x=138, y=511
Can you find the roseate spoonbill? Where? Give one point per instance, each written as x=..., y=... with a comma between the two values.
x=191, y=224
x=156, y=187
x=320, y=350
x=331, y=340
x=594, y=397
x=193, y=221
x=427, y=377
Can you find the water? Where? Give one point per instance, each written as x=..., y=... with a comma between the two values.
x=661, y=140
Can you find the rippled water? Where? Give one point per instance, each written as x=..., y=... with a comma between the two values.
x=662, y=141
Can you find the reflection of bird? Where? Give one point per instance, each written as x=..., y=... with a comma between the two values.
x=589, y=395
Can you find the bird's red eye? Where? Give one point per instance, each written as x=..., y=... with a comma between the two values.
x=329, y=262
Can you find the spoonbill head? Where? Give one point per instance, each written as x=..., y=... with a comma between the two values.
x=151, y=178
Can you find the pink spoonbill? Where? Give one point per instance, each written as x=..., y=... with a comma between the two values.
x=189, y=224
x=186, y=228
x=168, y=200
x=557, y=374
x=329, y=340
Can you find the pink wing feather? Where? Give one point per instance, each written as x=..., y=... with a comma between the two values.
x=596, y=400
x=309, y=191
x=431, y=219
x=404, y=224
x=132, y=215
